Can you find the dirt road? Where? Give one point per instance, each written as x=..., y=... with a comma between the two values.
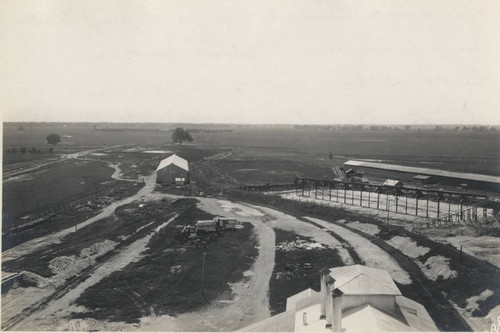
x=63, y=307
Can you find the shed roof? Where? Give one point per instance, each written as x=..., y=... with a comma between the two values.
x=206, y=222
x=425, y=171
x=173, y=159
x=362, y=280
x=392, y=182
x=421, y=177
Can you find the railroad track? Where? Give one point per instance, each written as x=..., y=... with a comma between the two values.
x=76, y=280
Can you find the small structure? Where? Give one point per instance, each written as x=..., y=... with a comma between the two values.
x=227, y=223
x=393, y=183
x=422, y=179
x=173, y=170
x=206, y=226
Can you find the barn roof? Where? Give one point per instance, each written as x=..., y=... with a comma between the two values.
x=173, y=159
x=425, y=171
x=362, y=280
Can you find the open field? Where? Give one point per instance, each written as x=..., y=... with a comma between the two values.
x=459, y=151
x=51, y=185
x=174, y=286
x=156, y=280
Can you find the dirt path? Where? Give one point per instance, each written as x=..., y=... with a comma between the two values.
x=63, y=307
x=372, y=255
x=251, y=301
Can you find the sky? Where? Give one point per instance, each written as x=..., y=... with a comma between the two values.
x=273, y=61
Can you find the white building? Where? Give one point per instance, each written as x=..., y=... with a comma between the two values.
x=173, y=170
x=352, y=299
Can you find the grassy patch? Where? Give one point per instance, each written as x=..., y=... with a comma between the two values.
x=51, y=185
x=290, y=276
x=167, y=280
x=66, y=214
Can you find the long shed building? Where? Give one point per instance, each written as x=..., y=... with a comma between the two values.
x=173, y=170
x=472, y=180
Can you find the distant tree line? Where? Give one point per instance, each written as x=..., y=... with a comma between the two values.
x=200, y=130
x=24, y=150
x=398, y=128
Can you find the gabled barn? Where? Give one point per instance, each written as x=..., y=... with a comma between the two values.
x=172, y=170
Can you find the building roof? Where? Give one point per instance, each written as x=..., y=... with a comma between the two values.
x=416, y=315
x=283, y=322
x=370, y=319
x=421, y=177
x=296, y=302
x=425, y=171
x=173, y=159
x=362, y=280
x=392, y=182
x=365, y=318
x=409, y=315
x=206, y=222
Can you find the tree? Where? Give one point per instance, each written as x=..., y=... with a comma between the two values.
x=181, y=135
x=53, y=139
x=407, y=127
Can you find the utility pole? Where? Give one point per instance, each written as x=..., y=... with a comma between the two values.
x=86, y=179
x=203, y=271
x=387, y=202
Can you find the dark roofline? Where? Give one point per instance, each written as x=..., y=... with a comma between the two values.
x=425, y=171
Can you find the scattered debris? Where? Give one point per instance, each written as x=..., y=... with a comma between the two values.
x=436, y=267
x=299, y=244
x=177, y=250
x=94, y=204
x=175, y=269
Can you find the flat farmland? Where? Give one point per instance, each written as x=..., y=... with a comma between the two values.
x=82, y=134
x=271, y=171
x=53, y=184
x=451, y=150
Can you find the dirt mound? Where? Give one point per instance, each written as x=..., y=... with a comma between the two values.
x=30, y=279
x=61, y=264
x=65, y=267
x=438, y=266
x=97, y=248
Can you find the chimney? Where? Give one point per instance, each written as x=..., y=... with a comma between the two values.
x=323, y=274
x=337, y=310
x=329, y=300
